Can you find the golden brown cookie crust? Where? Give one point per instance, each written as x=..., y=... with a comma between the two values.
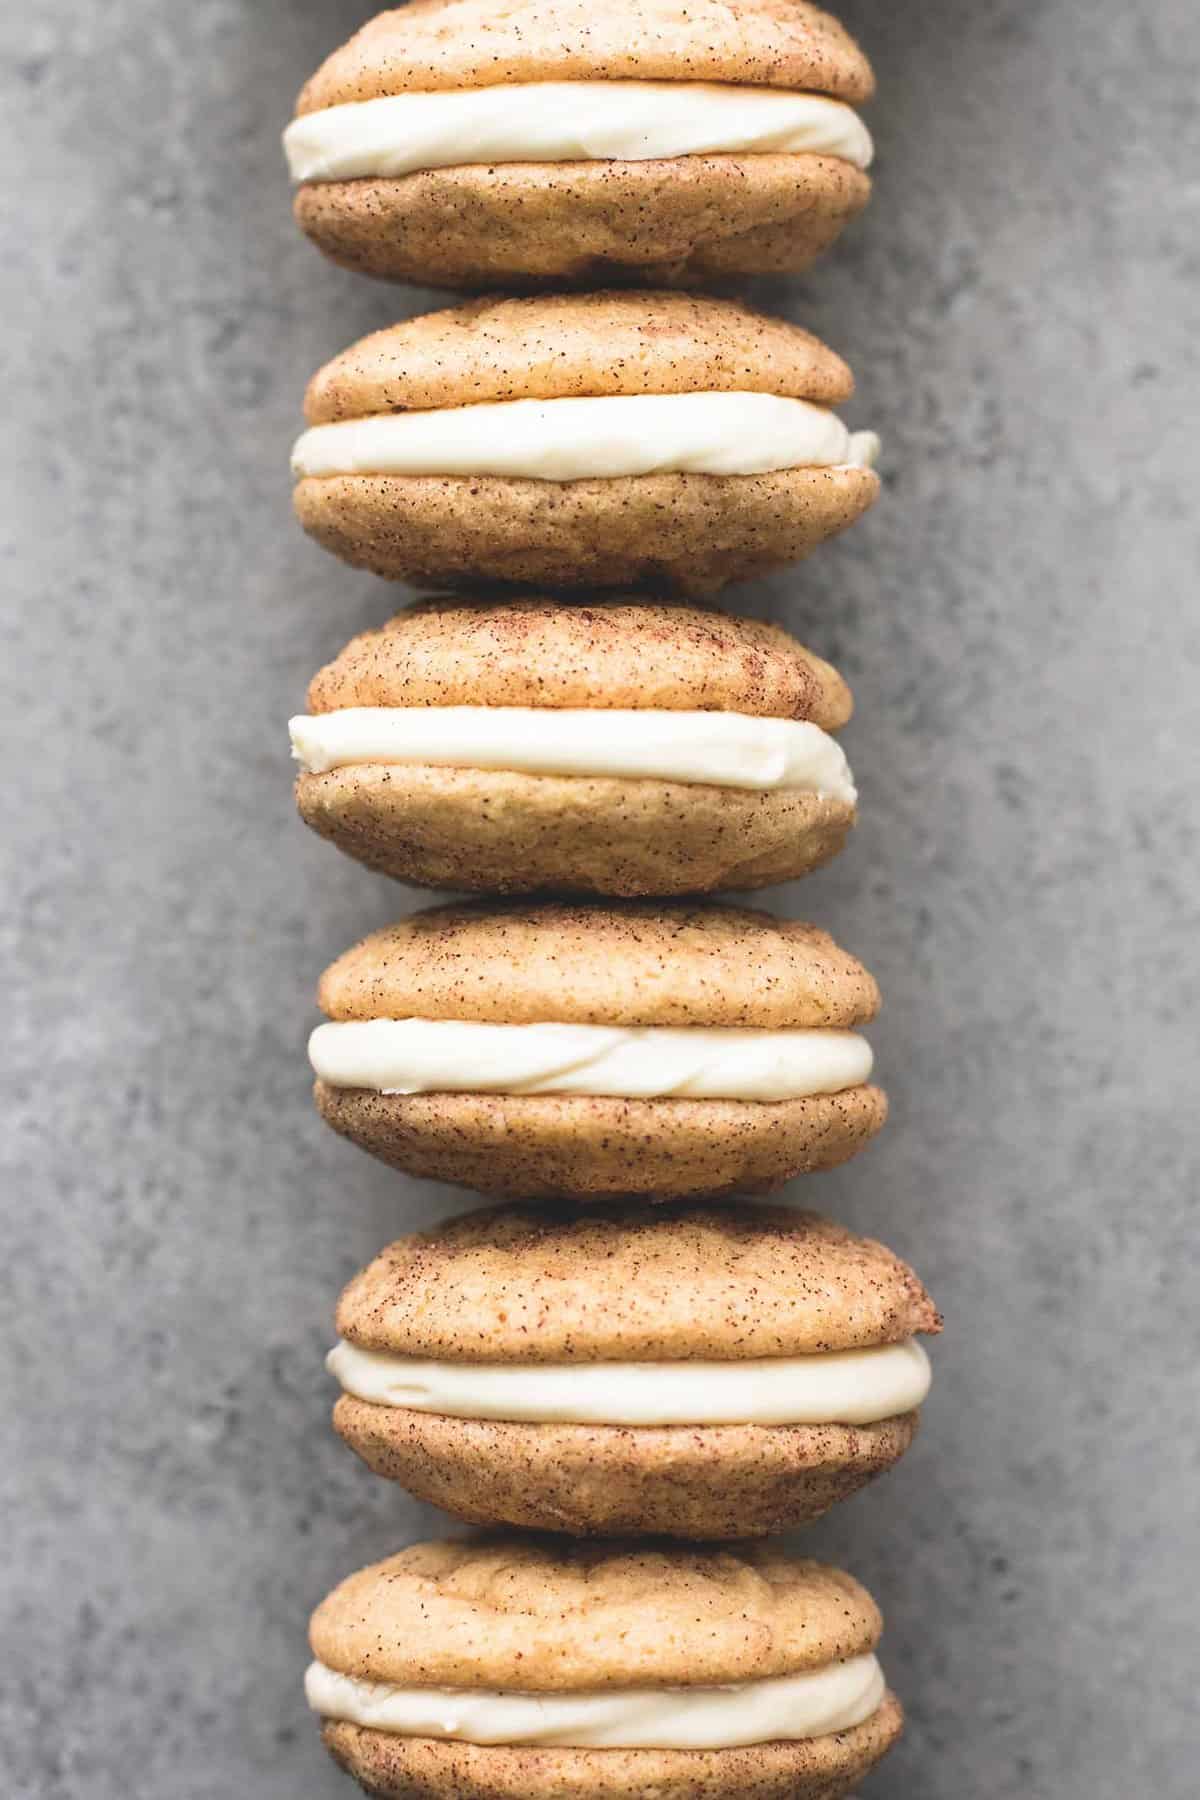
x=565, y=346
x=552, y=1146
x=499, y=832
x=824, y=1768
x=537, y=651
x=707, y=1483
x=669, y=221
x=440, y=44
x=617, y=964
x=687, y=535
x=519, y=1284
x=539, y=1615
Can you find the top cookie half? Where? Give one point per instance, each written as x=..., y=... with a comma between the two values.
x=455, y=143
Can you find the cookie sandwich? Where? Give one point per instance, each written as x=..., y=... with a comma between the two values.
x=628, y=748
x=669, y=442
x=460, y=144
x=707, y=1373
x=556, y=1050
x=516, y=1668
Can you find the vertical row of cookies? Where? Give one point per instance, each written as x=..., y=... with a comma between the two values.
x=612, y=1377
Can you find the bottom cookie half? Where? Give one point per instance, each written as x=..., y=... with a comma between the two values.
x=663, y=220
x=477, y=830
x=549, y=1146
x=824, y=1768
x=707, y=1482
x=669, y=533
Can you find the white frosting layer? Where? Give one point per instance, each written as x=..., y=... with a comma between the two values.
x=718, y=748
x=597, y=437
x=445, y=1056
x=843, y=1387
x=568, y=121
x=814, y=1703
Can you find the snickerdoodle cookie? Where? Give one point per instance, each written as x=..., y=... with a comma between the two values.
x=554, y=1050
x=520, y=1668
x=665, y=441
x=463, y=144
x=626, y=748
x=716, y=1372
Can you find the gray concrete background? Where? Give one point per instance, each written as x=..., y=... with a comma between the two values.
x=1019, y=619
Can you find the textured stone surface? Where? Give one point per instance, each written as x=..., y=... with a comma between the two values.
x=1018, y=620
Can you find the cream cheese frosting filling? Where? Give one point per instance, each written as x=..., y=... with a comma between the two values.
x=594, y=437
x=840, y=1387
x=431, y=1056
x=812, y=1703
x=719, y=749
x=568, y=121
